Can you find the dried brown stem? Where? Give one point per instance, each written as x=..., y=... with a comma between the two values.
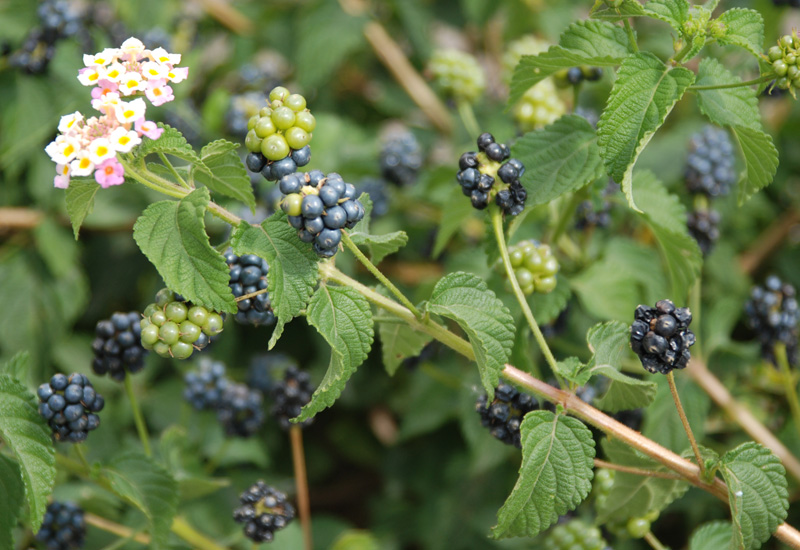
x=116, y=529
x=301, y=483
x=768, y=241
x=19, y=218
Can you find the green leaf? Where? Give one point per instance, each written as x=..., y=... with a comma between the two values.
x=645, y=92
x=673, y=12
x=13, y=493
x=398, y=343
x=757, y=492
x=172, y=235
x=18, y=366
x=608, y=341
x=572, y=369
x=712, y=536
x=662, y=423
x=292, y=266
x=379, y=246
x=455, y=211
x=554, y=477
x=634, y=495
x=79, y=197
x=559, y=158
x=627, y=8
x=666, y=216
x=595, y=43
x=760, y=158
x=26, y=433
x=728, y=106
x=743, y=28
x=466, y=299
x=221, y=170
x=147, y=485
x=344, y=318
x=171, y=142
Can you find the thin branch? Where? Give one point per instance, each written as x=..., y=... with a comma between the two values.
x=301, y=483
x=19, y=218
x=685, y=421
x=766, y=243
x=759, y=80
x=116, y=529
x=635, y=471
x=251, y=295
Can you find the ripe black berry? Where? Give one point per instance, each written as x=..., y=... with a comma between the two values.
x=710, y=165
x=240, y=410
x=660, y=336
x=69, y=404
x=703, y=226
x=773, y=314
x=401, y=158
x=117, y=346
x=63, y=527
x=264, y=510
x=205, y=385
x=478, y=172
x=248, y=274
x=290, y=395
x=504, y=415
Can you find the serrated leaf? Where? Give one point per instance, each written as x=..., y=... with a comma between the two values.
x=171, y=142
x=172, y=235
x=666, y=216
x=573, y=370
x=379, y=246
x=26, y=433
x=634, y=495
x=727, y=106
x=13, y=493
x=645, y=92
x=662, y=423
x=18, y=366
x=398, y=343
x=221, y=170
x=79, y=198
x=596, y=43
x=547, y=307
x=608, y=341
x=292, y=266
x=147, y=485
x=673, y=12
x=627, y=8
x=554, y=477
x=467, y=300
x=760, y=159
x=559, y=158
x=712, y=536
x=757, y=493
x=344, y=318
x=743, y=28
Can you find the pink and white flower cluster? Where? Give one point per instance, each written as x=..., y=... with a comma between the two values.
x=120, y=77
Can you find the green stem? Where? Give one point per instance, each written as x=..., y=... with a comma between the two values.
x=629, y=32
x=351, y=246
x=654, y=543
x=301, y=483
x=678, y=57
x=685, y=421
x=82, y=456
x=576, y=92
x=468, y=118
x=138, y=419
x=759, y=80
x=497, y=224
x=172, y=170
x=788, y=383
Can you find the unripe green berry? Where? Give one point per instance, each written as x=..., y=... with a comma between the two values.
x=283, y=117
x=213, y=325
x=158, y=318
x=169, y=332
x=176, y=311
x=148, y=311
x=252, y=142
x=638, y=527
x=149, y=336
x=305, y=121
x=164, y=296
x=775, y=53
x=546, y=284
x=161, y=348
x=533, y=261
x=292, y=204
x=251, y=122
x=189, y=332
x=790, y=59
x=198, y=315
x=279, y=93
x=181, y=350
x=297, y=138
x=265, y=127
x=524, y=277
x=516, y=257
x=265, y=112
x=793, y=72
x=295, y=102
x=780, y=67
x=786, y=41
x=275, y=147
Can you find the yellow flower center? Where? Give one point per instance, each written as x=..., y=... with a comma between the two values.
x=124, y=140
x=68, y=150
x=128, y=113
x=102, y=151
x=85, y=163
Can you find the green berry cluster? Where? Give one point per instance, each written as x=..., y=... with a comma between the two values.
x=575, y=534
x=601, y=486
x=282, y=126
x=174, y=327
x=636, y=527
x=458, y=74
x=784, y=59
x=534, y=266
x=527, y=45
x=539, y=106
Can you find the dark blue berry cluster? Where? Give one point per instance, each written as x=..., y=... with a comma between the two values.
x=275, y=170
x=660, y=336
x=401, y=158
x=58, y=19
x=710, y=166
x=378, y=193
x=263, y=511
x=248, y=276
x=290, y=395
x=70, y=405
x=262, y=370
x=319, y=207
x=63, y=527
x=504, y=415
x=477, y=173
x=703, y=226
x=773, y=314
x=204, y=387
x=118, y=346
x=589, y=216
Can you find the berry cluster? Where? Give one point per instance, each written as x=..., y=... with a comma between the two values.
x=773, y=314
x=539, y=106
x=704, y=228
x=70, y=406
x=458, y=74
x=264, y=510
x=477, y=173
x=710, y=165
x=278, y=136
x=378, y=194
x=63, y=527
x=249, y=275
x=660, y=336
x=242, y=108
x=574, y=534
x=784, y=62
x=589, y=216
x=174, y=327
x=58, y=19
x=574, y=76
x=400, y=158
x=205, y=386
x=319, y=207
x=290, y=395
x=504, y=415
x=118, y=346
x=260, y=374
x=535, y=266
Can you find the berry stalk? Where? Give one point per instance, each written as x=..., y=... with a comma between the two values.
x=685, y=421
x=789, y=385
x=759, y=80
x=138, y=419
x=629, y=32
x=467, y=115
x=115, y=528
x=172, y=170
x=301, y=483
x=635, y=471
x=654, y=543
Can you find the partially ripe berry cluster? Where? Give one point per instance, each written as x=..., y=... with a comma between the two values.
x=63, y=527
x=458, y=74
x=660, y=336
x=576, y=75
x=118, y=346
x=319, y=207
x=278, y=136
x=773, y=314
x=535, y=266
x=478, y=172
x=174, y=327
x=574, y=534
x=264, y=510
x=503, y=416
x=70, y=405
x=248, y=274
x=783, y=58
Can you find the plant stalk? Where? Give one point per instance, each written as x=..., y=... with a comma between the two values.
x=759, y=80
x=629, y=32
x=116, y=529
x=635, y=471
x=685, y=421
x=172, y=170
x=301, y=483
x=138, y=419
x=468, y=118
x=654, y=543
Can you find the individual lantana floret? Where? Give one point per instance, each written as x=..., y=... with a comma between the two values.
x=120, y=76
x=783, y=58
x=458, y=74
